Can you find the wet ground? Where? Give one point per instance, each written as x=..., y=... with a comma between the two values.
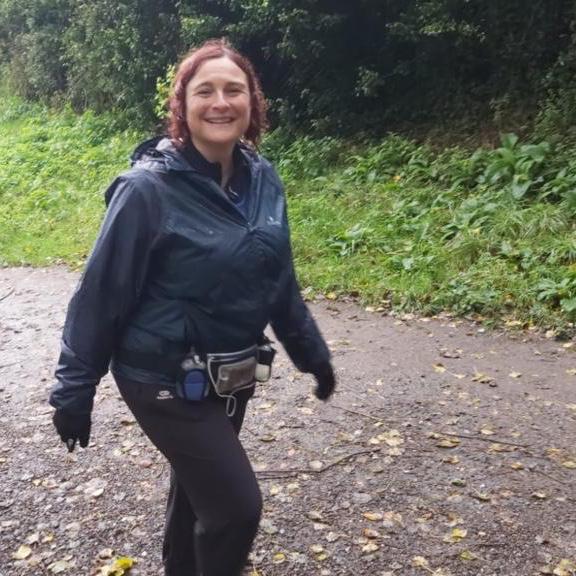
x=447, y=450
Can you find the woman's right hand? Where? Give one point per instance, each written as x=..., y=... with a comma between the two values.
x=72, y=428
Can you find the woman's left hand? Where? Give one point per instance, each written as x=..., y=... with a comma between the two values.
x=325, y=381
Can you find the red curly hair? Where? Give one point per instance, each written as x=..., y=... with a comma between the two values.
x=177, y=126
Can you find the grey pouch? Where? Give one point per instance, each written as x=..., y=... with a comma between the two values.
x=230, y=372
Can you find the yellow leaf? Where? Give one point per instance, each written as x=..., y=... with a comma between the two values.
x=486, y=432
x=517, y=466
x=59, y=567
x=482, y=496
x=467, y=555
x=371, y=533
x=22, y=552
x=496, y=447
x=420, y=562
x=123, y=563
x=571, y=371
x=515, y=374
x=482, y=378
x=372, y=516
x=370, y=547
x=448, y=443
x=451, y=460
x=455, y=535
x=440, y=368
x=569, y=464
x=278, y=558
x=317, y=548
x=565, y=568
x=539, y=495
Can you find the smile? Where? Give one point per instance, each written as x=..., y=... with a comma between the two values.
x=219, y=120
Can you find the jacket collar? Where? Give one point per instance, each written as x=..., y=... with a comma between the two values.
x=160, y=152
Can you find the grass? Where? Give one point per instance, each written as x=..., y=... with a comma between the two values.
x=488, y=234
x=55, y=167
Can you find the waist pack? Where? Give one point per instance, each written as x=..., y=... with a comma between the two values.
x=230, y=372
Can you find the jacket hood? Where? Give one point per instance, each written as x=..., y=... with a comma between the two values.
x=159, y=152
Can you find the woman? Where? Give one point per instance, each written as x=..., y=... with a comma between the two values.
x=192, y=262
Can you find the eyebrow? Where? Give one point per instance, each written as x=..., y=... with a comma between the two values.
x=208, y=84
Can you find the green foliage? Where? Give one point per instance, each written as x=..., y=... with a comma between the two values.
x=335, y=67
x=397, y=223
x=54, y=170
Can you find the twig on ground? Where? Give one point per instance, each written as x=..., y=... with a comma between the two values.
x=9, y=293
x=280, y=473
x=10, y=364
x=357, y=413
x=547, y=476
x=482, y=439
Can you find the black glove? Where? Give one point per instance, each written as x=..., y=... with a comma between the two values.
x=72, y=428
x=325, y=381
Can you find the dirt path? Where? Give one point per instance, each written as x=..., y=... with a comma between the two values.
x=447, y=450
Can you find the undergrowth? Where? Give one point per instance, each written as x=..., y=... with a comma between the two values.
x=488, y=234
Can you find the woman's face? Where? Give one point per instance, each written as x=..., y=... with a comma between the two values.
x=217, y=105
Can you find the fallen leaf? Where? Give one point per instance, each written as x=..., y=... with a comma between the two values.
x=482, y=496
x=372, y=516
x=515, y=374
x=451, y=460
x=22, y=552
x=440, y=368
x=482, y=378
x=496, y=447
x=569, y=464
x=448, y=443
x=420, y=562
x=517, y=466
x=371, y=533
x=467, y=556
x=316, y=465
x=455, y=535
x=370, y=547
x=314, y=515
x=59, y=566
x=565, y=568
x=571, y=371
x=278, y=558
x=539, y=495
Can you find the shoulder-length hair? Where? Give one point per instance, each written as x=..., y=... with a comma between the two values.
x=177, y=126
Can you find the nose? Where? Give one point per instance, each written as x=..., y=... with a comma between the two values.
x=220, y=100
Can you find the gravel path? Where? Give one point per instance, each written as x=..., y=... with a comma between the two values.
x=447, y=450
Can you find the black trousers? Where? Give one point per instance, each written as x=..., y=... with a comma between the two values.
x=214, y=503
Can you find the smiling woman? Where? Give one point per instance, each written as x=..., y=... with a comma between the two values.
x=192, y=263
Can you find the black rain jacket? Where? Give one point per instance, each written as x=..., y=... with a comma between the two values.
x=175, y=265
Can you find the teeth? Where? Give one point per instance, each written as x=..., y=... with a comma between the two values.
x=220, y=121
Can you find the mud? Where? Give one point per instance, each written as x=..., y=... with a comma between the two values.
x=448, y=449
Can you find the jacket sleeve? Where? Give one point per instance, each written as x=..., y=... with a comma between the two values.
x=107, y=292
x=294, y=325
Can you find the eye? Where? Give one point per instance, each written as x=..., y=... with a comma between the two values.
x=204, y=92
